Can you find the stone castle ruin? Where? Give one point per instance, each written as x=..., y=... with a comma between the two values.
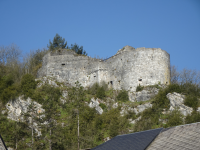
x=128, y=68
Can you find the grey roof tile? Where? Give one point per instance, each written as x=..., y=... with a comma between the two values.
x=133, y=141
x=2, y=144
x=179, y=137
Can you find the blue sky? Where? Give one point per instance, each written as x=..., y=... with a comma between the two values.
x=103, y=27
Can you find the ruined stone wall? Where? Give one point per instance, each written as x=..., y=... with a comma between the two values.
x=125, y=70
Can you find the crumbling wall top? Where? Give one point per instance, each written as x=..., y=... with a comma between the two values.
x=62, y=52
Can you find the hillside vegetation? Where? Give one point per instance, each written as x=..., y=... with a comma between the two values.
x=59, y=123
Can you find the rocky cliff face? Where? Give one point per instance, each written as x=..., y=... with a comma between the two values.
x=18, y=107
x=177, y=102
x=144, y=95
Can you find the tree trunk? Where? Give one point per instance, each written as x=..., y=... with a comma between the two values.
x=32, y=128
x=78, y=130
x=50, y=141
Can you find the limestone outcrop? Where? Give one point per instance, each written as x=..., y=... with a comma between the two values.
x=176, y=102
x=95, y=104
x=138, y=109
x=143, y=95
x=16, y=109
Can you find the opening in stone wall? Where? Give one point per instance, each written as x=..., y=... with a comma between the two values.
x=111, y=82
x=140, y=79
x=63, y=64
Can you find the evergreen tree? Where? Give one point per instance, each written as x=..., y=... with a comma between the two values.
x=58, y=42
x=77, y=49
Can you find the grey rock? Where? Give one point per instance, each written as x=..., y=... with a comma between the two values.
x=143, y=95
x=16, y=109
x=198, y=109
x=95, y=104
x=141, y=108
x=176, y=102
x=138, y=109
x=134, y=121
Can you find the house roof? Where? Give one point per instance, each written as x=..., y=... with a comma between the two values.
x=136, y=141
x=175, y=138
x=179, y=137
x=2, y=144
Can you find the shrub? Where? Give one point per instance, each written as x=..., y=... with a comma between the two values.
x=9, y=93
x=101, y=93
x=93, y=89
x=149, y=120
x=28, y=84
x=191, y=101
x=131, y=115
x=123, y=96
x=175, y=119
x=194, y=117
x=103, y=106
x=139, y=88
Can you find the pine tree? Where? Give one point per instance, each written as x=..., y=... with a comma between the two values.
x=58, y=42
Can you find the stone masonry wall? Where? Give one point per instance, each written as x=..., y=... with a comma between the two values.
x=125, y=70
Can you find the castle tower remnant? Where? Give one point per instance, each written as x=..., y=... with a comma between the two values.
x=128, y=68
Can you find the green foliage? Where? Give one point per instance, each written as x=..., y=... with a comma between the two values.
x=150, y=117
x=130, y=115
x=112, y=122
x=97, y=90
x=58, y=42
x=175, y=119
x=103, y=106
x=93, y=89
x=8, y=89
x=101, y=93
x=122, y=96
x=194, y=117
x=160, y=101
x=77, y=49
x=28, y=84
x=139, y=88
x=88, y=114
x=12, y=131
x=191, y=101
x=149, y=120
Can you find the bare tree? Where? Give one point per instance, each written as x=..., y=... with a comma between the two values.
x=175, y=75
x=33, y=61
x=185, y=76
x=9, y=54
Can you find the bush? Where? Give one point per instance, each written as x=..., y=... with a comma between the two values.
x=28, y=84
x=131, y=115
x=194, y=117
x=191, y=101
x=101, y=93
x=8, y=89
x=149, y=120
x=9, y=93
x=123, y=96
x=175, y=119
x=93, y=89
x=103, y=106
x=160, y=101
x=139, y=88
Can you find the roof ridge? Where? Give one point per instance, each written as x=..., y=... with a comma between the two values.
x=3, y=142
x=140, y=132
